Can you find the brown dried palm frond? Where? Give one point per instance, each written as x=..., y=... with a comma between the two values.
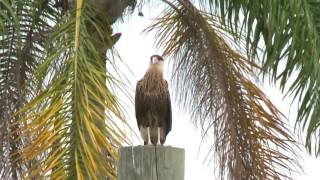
x=288, y=32
x=214, y=82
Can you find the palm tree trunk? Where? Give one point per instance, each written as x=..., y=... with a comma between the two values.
x=102, y=45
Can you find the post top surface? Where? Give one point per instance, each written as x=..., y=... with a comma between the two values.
x=153, y=147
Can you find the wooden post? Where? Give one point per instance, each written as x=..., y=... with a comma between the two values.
x=151, y=163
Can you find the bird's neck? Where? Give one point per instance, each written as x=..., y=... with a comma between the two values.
x=153, y=79
x=155, y=70
x=157, y=67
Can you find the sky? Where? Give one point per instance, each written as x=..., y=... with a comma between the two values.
x=135, y=49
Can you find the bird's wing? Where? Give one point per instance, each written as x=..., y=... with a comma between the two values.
x=169, y=111
x=139, y=104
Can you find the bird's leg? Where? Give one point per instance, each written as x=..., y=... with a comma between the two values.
x=149, y=139
x=158, y=142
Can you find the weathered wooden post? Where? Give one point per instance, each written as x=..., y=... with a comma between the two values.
x=151, y=163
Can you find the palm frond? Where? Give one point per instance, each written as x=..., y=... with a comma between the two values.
x=73, y=120
x=20, y=50
x=290, y=33
x=214, y=83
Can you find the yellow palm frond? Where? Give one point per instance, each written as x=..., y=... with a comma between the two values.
x=73, y=121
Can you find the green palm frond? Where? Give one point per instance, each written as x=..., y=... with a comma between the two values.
x=21, y=45
x=290, y=33
x=214, y=83
x=73, y=120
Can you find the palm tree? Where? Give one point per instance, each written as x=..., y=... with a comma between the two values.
x=59, y=113
x=54, y=93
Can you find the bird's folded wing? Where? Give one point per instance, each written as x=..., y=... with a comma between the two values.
x=169, y=111
x=139, y=105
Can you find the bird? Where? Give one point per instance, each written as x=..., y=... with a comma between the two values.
x=153, y=104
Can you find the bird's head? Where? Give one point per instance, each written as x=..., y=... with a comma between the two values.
x=156, y=59
x=156, y=62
